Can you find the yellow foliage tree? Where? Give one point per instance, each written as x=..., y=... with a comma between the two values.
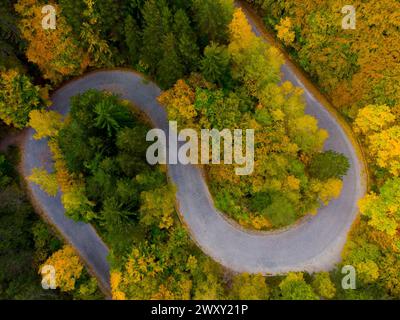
x=163, y=293
x=115, y=280
x=47, y=181
x=285, y=31
x=382, y=210
x=179, y=103
x=46, y=123
x=327, y=190
x=293, y=183
x=67, y=266
x=323, y=285
x=391, y=275
x=254, y=62
x=241, y=35
x=18, y=96
x=158, y=207
x=249, y=287
x=367, y=271
x=139, y=278
x=373, y=118
x=305, y=132
x=56, y=52
x=294, y=287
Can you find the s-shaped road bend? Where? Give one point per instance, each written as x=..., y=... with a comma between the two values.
x=314, y=244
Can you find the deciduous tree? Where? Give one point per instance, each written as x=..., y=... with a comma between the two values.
x=294, y=287
x=249, y=287
x=372, y=119
x=212, y=18
x=133, y=39
x=47, y=181
x=45, y=123
x=385, y=148
x=323, y=285
x=157, y=207
x=383, y=209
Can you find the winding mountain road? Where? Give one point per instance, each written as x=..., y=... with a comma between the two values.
x=313, y=244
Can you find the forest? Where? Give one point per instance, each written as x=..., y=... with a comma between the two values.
x=215, y=73
x=359, y=72
x=27, y=243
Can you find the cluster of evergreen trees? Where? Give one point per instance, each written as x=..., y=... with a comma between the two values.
x=164, y=38
x=105, y=145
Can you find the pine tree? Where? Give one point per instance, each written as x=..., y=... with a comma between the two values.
x=68, y=267
x=215, y=63
x=294, y=287
x=328, y=164
x=170, y=68
x=382, y=210
x=156, y=16
x=249, y=287
x=10, y=40
x=212, y=18
x=186, y=40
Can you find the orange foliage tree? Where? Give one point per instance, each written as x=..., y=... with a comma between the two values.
x=56, y=52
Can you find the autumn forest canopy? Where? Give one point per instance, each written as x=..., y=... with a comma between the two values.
x=214, y=73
